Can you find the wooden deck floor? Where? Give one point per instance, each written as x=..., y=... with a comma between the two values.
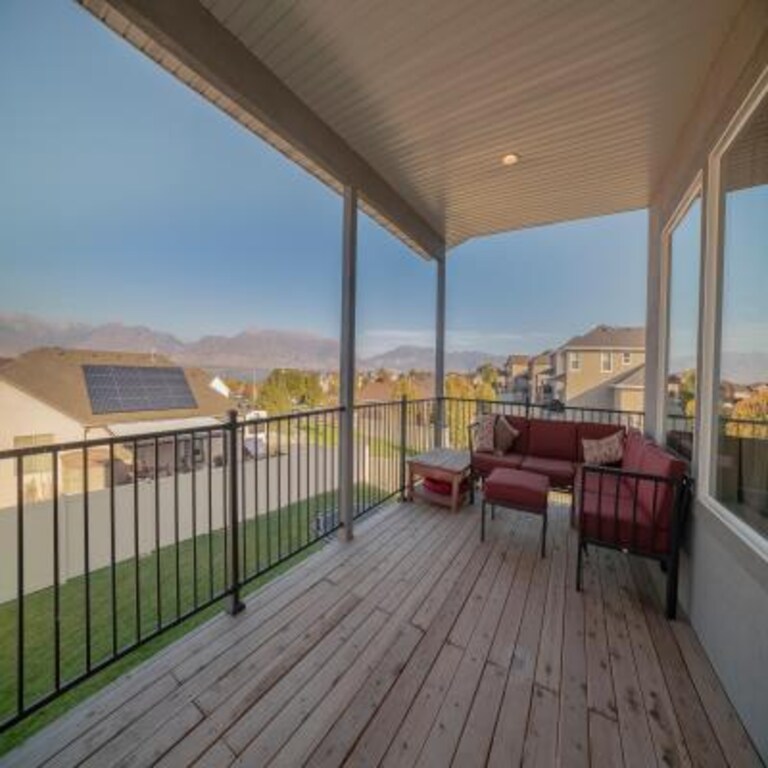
x=418, y=645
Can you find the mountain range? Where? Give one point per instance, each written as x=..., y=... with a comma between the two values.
x=260, y=349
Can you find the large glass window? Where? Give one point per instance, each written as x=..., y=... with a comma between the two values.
x=741, y=454
x=684, y=268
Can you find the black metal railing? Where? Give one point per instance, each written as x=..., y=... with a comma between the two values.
x=118, y=539
x=110, y=542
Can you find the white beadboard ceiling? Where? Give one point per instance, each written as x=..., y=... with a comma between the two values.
x=592, y=94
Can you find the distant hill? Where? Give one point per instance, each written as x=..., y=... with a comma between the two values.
x=259, y=349
x=263, y=349
x=407, y=358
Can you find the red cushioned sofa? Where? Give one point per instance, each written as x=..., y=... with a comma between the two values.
x=639, y=506
x=547, y=447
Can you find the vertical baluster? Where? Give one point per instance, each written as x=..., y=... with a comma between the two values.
x=243, y=502
x=209, y=451
x=136, y=552
x=225, y=472
x=158, y=594
x=19, y=585
x=289, y=508
x=193, y=475
x=87, y=559
x=256, y=521
x=56, y=567
x=268, y=482
x=177, y=559
x=112, y=546
x=235, y=604
x=316, y=484
x=279, y=490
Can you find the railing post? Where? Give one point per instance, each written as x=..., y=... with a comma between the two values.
x=235, y=603
x=439, y=350
x=403, y=442
x=347, y=365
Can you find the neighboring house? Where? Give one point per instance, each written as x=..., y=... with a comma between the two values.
x=517, y=382
x=52, y=395
x=590, y=369
x=541, y=369
x=629, y=390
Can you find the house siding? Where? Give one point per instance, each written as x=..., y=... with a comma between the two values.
x=587, y=387
x=724, y=580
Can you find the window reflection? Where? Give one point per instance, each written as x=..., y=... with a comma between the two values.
x=741, y=459
x=684, y=265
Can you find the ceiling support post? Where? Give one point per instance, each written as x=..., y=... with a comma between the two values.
x=347, y=364
x=440, y=351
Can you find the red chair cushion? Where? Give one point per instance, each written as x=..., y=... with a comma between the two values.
x=516, y=488
x=604, y=519
x=593, y=432
x=658, y=498
x=598, y=484
x=553, y=440
x=634, y=446
x=484, y=463
x=561, y=473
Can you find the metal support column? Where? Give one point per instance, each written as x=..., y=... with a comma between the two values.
x=347, y=365
x=440, y=352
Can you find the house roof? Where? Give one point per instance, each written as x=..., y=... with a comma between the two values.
x=609, y=337
x=632, y=379
x=415, y=104
x=55, y=377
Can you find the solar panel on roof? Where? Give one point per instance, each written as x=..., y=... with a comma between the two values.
x=128, y=388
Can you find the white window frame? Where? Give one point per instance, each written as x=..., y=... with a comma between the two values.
x=574, y=361
x=626, y=358
x=710, y=329
x=695, y=190
x=603, y=357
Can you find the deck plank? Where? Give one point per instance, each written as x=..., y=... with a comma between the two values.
x=573, y=726
x=418, y=644
x=728, y=728
x=699, y=737
x=667, y=737
x=637, y=744
x=604, y=742
x=601, y=696
x=447, y=729
x=509, y=735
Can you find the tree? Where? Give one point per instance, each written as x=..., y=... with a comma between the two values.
x=274, y=396
x=687, y=389
x=488, y=374
x=753, y=411
x=405, y=387
x=484, y=391
x=459, y=408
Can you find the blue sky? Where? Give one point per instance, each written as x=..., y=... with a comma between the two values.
x=126, y=197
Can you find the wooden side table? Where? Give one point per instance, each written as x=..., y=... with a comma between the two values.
x=444, y=465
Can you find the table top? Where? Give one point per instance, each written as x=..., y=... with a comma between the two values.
x=447, y=459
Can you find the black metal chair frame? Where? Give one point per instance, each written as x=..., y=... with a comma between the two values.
x=669, y=560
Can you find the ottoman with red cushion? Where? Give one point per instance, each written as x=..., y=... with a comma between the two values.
x=517, y=489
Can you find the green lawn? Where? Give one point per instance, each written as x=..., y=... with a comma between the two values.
x=283, y=530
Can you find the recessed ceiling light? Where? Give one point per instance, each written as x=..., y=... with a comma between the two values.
x=510, y=159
